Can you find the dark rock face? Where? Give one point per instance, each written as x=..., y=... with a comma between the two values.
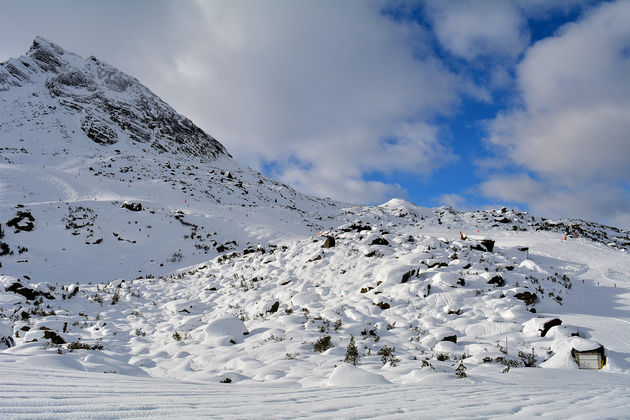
x=98, y=131
x=29, y=294
x=451, y=338
x=329, y=242
x=547, y=326
x=497, y=281
x=46, y=56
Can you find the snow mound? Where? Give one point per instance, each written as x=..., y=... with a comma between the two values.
x=348, y=375
x=563, y=359
x=227, y=326
x=47, y=362
x=582, y=344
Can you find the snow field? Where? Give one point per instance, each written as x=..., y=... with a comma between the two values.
x=44, y=392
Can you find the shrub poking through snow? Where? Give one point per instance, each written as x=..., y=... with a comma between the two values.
x=77, y=345
x=442, y=357
x=322, y=344
x=352, y=352
x=529, y=359
x=388, y=356
x=115, y=298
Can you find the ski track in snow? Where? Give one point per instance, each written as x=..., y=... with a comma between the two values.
x=552, y=394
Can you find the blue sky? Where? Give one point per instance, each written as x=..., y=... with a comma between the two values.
x=464, y=131
x=463, y=103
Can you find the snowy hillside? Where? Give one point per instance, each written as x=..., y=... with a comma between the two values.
x=132, y=243
x=195, y=199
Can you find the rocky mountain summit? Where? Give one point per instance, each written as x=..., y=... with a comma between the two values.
x=109, y=106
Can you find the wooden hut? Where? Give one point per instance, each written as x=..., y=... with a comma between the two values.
x=590, y=359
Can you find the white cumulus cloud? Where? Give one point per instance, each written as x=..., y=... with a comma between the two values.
x=470, y=29
x=571, y=128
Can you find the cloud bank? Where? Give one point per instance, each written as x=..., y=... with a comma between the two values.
x=325, y=91
x=569, y=136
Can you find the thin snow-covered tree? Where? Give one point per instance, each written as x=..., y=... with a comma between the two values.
x=352, y=352
x=460, y=371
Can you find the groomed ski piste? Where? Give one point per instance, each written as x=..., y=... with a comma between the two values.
x=143, y=279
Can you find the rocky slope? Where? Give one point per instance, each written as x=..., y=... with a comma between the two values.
x=105, y=103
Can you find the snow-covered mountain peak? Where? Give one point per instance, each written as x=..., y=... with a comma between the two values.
x=89, y=98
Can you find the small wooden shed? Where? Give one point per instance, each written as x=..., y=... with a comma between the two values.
x=590, y=359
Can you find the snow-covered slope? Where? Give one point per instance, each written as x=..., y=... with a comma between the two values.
x=132, y=243
x=79, y=138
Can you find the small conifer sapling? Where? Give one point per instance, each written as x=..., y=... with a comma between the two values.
x=352, y=352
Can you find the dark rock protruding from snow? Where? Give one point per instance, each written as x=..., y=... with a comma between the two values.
x=380, y=241
x=497, y=281
x=132, y=206
x=274, y=308
x=488, y=244
x=528, y=297
x=329, y=242
x=547, y=326
x=407, y=276
x=53, y=337
x=28, y=293
x=23, y=221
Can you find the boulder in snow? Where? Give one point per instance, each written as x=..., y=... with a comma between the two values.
x=132, y=206
x=329, y=242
